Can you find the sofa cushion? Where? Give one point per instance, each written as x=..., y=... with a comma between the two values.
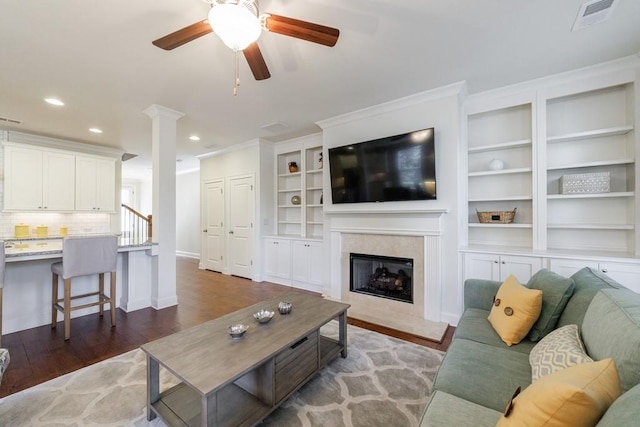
x=611, y=328
x=515, y=310
x=475, y=326
x=577, y=396
x=481, y=373
x=556, y=291
x=446, y=410
x=560, y=349
x=587, y=283
x=624, y=412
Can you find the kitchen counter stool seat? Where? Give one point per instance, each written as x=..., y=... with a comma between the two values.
x=84, y=256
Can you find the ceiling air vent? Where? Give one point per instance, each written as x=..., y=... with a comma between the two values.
x=593, y=12
x=8, y=120
x=275, y=127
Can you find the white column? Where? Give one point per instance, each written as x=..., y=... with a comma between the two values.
x=163, y=137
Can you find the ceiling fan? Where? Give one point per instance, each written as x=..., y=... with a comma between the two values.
x=239, y=24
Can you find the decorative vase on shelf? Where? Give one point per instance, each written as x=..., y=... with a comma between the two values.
x=321, y=197
x=496, y=165
x=320, y=160
x=293, y=167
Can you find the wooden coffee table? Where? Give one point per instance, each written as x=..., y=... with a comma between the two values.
x=238, y=382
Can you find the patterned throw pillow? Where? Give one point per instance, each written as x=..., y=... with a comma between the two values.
x=558, y=350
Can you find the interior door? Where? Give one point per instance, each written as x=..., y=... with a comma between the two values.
x=241, y=217
x=213, y=230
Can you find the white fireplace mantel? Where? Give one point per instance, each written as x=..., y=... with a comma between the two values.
x=396, y=224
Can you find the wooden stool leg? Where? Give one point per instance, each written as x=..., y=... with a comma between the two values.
x=101, y=292
x=112, y=297
x=54, y=301
x=67, y=309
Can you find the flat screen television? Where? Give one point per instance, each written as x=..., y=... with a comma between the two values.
x=395, y=168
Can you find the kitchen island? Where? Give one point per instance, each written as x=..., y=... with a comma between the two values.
x=27, y=284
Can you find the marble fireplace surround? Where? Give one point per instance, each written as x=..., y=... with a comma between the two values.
x=406, y=234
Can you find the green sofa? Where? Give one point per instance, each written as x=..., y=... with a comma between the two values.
x=480, y=373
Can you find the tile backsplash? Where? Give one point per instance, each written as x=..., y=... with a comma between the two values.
x=77, y=223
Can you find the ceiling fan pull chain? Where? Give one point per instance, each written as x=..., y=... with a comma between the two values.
x=237, y=73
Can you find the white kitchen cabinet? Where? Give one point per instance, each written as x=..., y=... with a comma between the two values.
x=627, y=274
x=38, y=180
x=277, y=260
x=95, y=184
x=306, y=263
x=498, y=267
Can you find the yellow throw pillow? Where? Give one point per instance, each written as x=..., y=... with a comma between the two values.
x=515, y=309
x=575, y=396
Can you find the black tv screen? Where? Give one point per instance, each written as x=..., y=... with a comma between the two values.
x=395, y=168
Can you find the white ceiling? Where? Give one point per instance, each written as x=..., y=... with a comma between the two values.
x=97, y=56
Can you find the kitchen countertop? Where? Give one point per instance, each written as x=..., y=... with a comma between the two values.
x=25, y=249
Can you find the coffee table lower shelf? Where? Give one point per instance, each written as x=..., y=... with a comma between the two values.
x=181, y=406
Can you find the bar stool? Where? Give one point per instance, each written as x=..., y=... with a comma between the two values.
x=83, y=256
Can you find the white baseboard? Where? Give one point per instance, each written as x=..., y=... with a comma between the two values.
x=164, y=302
x=188, y=254
x=450, y=318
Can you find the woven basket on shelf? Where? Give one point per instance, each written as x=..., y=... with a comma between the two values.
x=498, y=217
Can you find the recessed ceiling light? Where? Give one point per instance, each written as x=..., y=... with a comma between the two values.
x=194, y=138
x=54, y=101
x=95, y=130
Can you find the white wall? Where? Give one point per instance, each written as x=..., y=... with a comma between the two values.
x=441, y=109
x=188, y=214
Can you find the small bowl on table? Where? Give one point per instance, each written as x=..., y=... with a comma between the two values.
x=284, y=307
x=237, y=331
x=263, y=316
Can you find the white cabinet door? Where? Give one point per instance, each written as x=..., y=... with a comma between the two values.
x=277, y=258
x=499, y=267
x=95, y=184
x=316, y=264
x=521, y=267
x=23, y=178
x=306, y=265
x=59, y=173
x=567, y=267
x=300, y=262
x=481, y=266
x=105, y=185
x=627, y=275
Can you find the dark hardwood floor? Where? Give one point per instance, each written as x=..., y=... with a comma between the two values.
x=40, y=354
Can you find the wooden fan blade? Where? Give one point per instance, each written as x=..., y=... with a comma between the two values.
x=302, y=30
x=256, y=62
x=185, y=35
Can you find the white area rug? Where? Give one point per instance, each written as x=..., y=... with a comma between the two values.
x=383, y=382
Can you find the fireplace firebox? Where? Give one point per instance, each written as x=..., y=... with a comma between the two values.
x=382, y=276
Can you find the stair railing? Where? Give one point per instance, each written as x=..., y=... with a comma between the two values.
x=136, y=225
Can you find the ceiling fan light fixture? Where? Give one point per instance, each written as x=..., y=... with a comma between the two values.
x=236, y=22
